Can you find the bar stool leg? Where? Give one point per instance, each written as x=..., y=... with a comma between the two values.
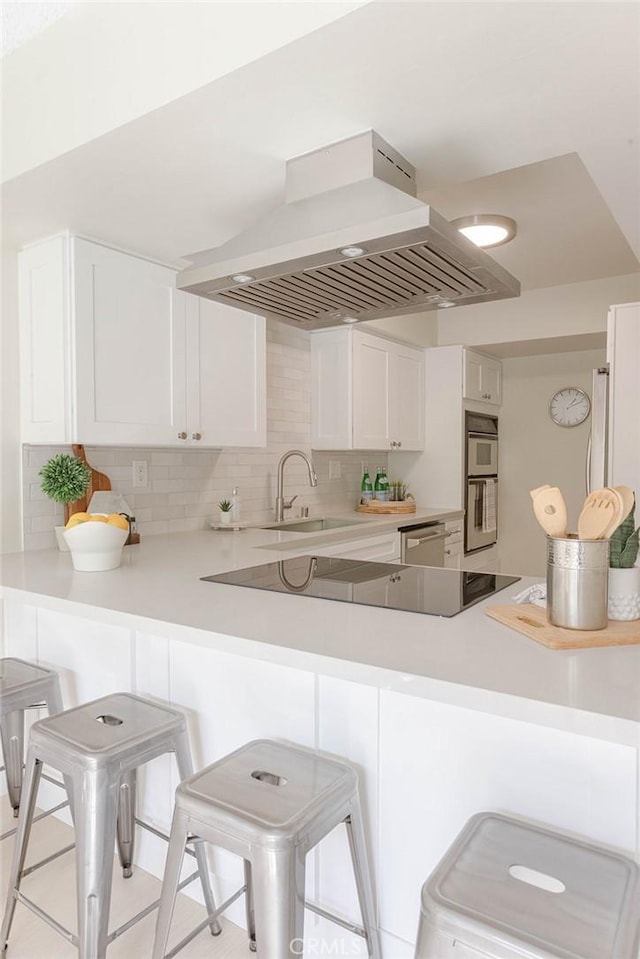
x=12, y=731
x=126, y=821
x=54, y=706
x=278, y=899
x=358, y=847
x=96, y=810
x=248, y=902
x=30, y=791
x=185, y=769
x=170, y=880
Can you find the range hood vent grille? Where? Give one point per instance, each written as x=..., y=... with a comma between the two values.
x=396, y=279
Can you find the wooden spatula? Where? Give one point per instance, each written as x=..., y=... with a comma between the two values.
x=618, y=511
x=628, y=499
x=600, y=509
x=550, y=509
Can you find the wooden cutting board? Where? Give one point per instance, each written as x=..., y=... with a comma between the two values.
x=98, y=481
x=531, y=621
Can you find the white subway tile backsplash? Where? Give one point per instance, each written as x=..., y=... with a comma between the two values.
x=185, y=486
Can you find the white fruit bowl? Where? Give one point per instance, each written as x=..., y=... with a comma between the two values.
x=95, y=546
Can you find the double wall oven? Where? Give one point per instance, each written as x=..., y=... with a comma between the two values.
x=481, y=516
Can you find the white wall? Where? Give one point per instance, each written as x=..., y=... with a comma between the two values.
x=549, y=312
x=103, y=64
x=533, y=451
x=418, y=328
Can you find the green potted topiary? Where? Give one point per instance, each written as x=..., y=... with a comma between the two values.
x=624, y=575
x=64, y=479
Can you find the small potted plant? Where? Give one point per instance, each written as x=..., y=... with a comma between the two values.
x=225, y=507
x=64, y=479
x=624, y=575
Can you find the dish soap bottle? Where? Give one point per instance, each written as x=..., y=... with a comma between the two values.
x=366, y=488
x=235, y=505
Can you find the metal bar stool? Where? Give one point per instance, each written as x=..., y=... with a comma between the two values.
x=98, y=747
x=510, y=890
x=23, y=685
x=271, y=804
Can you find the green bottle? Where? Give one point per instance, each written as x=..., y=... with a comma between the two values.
x=366, y=488
x=381, y=485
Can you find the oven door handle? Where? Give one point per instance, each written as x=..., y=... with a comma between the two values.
x=412, y=543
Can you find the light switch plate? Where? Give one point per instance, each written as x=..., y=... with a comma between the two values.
x=335, y=471
x=140, y=474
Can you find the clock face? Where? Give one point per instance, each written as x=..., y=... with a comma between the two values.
x=569, y=406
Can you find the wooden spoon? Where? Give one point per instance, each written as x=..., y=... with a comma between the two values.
x=600, y=509
x=550, y=509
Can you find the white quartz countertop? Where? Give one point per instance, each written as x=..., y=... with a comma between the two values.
x=469, y=660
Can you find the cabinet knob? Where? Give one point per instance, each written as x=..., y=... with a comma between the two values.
x=182, y=436
x=448, y=552
x=196, y=436
x=392, y=444
x=399, y=444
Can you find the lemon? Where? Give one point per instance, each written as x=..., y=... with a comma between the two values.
x=115, y=519
x=76, y=518
x=96, y=518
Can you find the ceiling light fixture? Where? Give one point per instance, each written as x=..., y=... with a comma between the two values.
x=349, y=319
x=352, y=251
x=486, y=229
x=242, y=278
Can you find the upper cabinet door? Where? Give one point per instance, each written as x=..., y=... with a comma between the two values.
x=482, y=378
x=406, y=414
x=45, y=341
x=130, y=349
x=371, y=392
x=226, y=376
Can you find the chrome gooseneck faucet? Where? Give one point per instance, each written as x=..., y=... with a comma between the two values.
x=281, y=503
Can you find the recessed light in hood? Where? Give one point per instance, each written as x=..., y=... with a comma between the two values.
x=351, y=240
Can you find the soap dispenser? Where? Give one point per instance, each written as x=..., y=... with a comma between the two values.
x=235, y=505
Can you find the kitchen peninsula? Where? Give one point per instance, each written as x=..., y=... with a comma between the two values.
x=444, y=717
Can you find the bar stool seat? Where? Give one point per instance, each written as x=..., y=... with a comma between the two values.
x=98, y=747
x=510, y=890
x=270, y=803
x=23, y=685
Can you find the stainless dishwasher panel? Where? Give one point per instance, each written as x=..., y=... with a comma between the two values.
x=423, y=545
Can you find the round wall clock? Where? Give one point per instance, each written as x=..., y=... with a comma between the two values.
x=569, y=406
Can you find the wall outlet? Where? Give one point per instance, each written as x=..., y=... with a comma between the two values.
x=334, y=469
x=140, y=474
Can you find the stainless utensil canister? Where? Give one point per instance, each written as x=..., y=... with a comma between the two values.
x=577, y=582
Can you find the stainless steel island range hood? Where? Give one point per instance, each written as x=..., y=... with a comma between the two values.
x=351, y=242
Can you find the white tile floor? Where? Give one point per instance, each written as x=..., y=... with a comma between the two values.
x=53, y=888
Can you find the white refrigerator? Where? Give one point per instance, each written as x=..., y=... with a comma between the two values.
x=613, y=455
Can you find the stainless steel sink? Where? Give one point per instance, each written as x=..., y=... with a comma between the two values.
x=315, y=525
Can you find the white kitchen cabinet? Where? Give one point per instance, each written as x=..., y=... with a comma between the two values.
x=226, y=375
x=384, y=548
x=367, y=392
x=482, y=378
x=113, y=354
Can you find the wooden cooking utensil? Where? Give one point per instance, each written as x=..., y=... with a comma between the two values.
x=628, y=498
x=550, y=509
x=534, y=492
x=600, y=509
x=618, y=512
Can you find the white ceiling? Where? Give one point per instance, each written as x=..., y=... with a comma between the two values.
x=527, y=109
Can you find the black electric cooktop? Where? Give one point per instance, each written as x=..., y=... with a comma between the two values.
x=416, y=589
